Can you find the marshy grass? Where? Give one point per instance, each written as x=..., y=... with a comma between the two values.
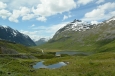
x=99, y=64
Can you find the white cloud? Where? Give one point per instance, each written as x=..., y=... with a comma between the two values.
x=35, y=35
x=14, y=16
x=33, y=25
x=41, y=19
x=43, y=31
x=100, y=1
x=50, y=29
x=52, y=7
x=2, y=5
x=4, y=13
x=84, y=2
x=28, y=16
x=112, y=13
x=15, y=4
x=66, y=17
x=22, y=12
x=94, y=22
x=101, y=12
x=32, y=34
x=95, y=13
x=55, y=28
x=39, y=9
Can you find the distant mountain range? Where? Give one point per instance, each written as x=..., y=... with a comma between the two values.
x=83, y=36
x=9, y=34
x=41, y=41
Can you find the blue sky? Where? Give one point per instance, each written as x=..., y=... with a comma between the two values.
x=42, y=18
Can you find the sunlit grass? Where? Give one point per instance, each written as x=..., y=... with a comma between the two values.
x=99, y=64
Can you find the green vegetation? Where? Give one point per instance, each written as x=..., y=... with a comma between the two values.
x=17, y=47
x=100, y=64
x=99, y=39
x=18, y=60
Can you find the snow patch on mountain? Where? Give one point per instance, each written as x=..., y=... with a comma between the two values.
x=5, y=26
x=111, y=19
x=26, y=36
x=76, y=25
x=14, y=33
x=9, y=34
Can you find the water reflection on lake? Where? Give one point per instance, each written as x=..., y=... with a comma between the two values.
x=72, y=53
x=53, y=66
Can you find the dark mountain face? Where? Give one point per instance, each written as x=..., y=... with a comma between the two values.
x=9, y=34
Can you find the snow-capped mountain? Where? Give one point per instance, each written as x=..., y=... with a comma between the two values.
x=111, y=19
x=76, y=25
x=82, y=36
x=9, y=34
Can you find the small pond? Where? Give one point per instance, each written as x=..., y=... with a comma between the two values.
x=53, y=66
x=72, y=53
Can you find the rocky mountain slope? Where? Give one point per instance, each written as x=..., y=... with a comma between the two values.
x=75, y=26
x=82, y=36
x=9, y=34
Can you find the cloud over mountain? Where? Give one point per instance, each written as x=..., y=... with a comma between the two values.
x=46, y=15
x=43, y=31
x=104, y=11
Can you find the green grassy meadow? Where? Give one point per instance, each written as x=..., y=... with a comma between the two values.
x=99, y=64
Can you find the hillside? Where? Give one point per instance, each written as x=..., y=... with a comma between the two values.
x=18, y=60
x=7, y=47
x=82, y=36
x=9, y=34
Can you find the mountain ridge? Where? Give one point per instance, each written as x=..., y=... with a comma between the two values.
x=75, y=26
x=92, y=39
x=9, y=34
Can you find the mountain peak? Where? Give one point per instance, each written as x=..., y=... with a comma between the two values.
x=4, y=26
x=99, y=38
x=9, y=34
x=75, y=20
x=76, y=25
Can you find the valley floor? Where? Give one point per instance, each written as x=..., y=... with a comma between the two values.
x=99, y=64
